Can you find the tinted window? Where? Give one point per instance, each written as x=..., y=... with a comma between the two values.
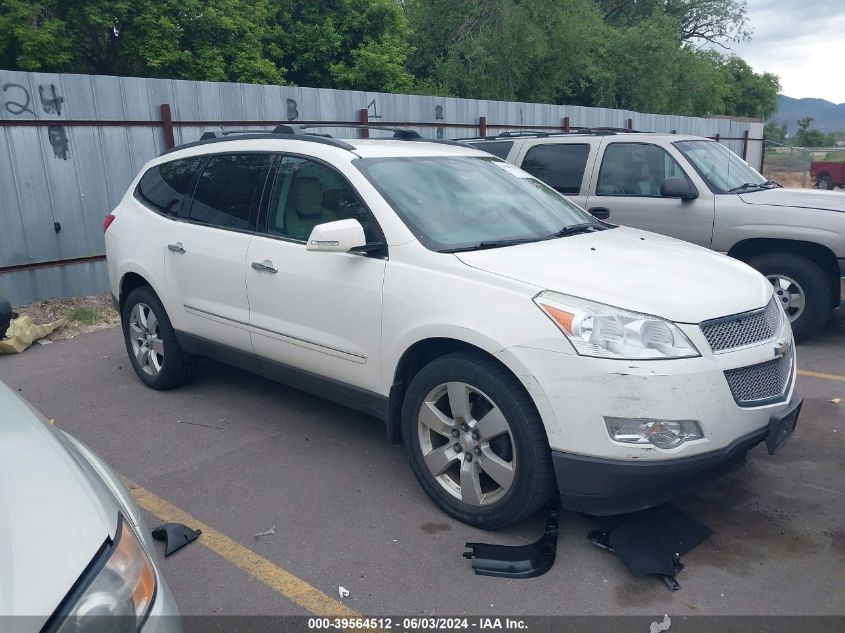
x=559, y=166
x=164, y=186
x=497, y=148
x=636, y=169
x=306, y=193
x=226, y=190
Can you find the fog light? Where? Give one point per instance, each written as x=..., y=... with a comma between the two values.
x=659, y=433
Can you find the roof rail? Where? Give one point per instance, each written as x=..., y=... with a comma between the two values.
x=221, y=136
x=303, y=133
x=593, y=131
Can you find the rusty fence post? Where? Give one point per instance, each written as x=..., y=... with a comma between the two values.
x=745, y=145
x=630, y=124
x=167, y=126
x=363, y=119
x=566, y=124
x=482, y=126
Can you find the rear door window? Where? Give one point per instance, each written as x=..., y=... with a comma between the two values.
x=228, y=190
x=164, y=187
x=497, y=148
x=560, y=165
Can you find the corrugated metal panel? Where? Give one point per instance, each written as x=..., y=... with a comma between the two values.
x=74, y=175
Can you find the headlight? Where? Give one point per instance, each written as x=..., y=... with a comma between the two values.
x=122, y=588
x=595, y=329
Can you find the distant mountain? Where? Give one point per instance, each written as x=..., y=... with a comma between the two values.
x=827, y=116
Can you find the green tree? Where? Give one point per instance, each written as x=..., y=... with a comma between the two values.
x=339, y=43
x=697, y=21
x=775, y=133
x=750, y=94
x=808, y=136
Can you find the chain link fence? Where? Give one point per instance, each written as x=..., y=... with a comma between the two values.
x=791, y=166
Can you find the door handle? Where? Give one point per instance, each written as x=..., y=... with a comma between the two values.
x=602, y=213
x=265, y=267
x=176, y=248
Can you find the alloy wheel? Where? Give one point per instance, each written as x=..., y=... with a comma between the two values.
x=466, y=443
x=145, y=336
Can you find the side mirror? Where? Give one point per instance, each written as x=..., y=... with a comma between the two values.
x=677, y=187
x=340, y=236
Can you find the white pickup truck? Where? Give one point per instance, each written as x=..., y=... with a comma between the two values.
x=697, y=190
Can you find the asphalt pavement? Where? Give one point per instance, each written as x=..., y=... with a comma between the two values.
x=339, y=505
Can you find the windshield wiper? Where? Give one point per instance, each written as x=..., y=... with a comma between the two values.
x=586, y=227
x=750, y=185
x=573, y=229
x=492, y=244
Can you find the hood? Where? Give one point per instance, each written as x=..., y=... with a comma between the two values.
x=55, y=514
x=799, y=198
x=635, y=270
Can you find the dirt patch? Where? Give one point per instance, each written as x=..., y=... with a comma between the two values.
x=85, y=314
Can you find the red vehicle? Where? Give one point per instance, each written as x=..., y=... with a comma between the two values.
x=828, y=174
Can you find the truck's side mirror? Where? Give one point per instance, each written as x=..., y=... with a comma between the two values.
x=677, y=187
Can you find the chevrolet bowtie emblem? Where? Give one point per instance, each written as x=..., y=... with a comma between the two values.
x=782, y=347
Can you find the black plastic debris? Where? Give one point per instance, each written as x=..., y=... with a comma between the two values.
x=175, y=536
x=517, y=561
x=651, y=541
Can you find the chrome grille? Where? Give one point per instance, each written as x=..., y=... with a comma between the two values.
x=761, y=383
x=743, y=329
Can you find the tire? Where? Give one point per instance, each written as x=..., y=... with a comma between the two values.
x=824, y=181
x=153, y=350
x=789, y=272
x=481, y=383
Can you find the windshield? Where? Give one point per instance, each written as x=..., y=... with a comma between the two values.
x=724, y=171
x=466, y=202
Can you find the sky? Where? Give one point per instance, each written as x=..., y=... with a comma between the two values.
x=801, y=41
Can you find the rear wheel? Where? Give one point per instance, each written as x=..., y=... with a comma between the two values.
x=151, y=343
x=476, y=442
x=801, y=287
x=824, y=182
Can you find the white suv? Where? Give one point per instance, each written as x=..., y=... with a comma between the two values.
x=518, y=347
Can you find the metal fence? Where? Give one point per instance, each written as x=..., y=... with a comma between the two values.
x=70, y=145
x=790, y=166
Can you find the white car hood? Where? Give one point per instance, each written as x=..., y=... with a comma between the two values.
x=54, y=516
x=635, y=270
x=799, y=198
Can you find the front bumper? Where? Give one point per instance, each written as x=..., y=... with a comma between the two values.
x=604, y=487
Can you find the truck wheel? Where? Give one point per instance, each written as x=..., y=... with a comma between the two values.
x=476, y=442
x=824, y=182
x=802, y=288
x=151, y=343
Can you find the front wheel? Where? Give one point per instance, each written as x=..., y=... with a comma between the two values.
x=476, y=442
x=151, y=343
x=801, y=288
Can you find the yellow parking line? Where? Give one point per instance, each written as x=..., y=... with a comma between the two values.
x=278, y=579
x=818, y=374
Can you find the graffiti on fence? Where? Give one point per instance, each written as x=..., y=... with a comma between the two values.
x=21, y=100
x=293, y=109
x=372, y=110
x=58, y=141
x=51, y=104
x=16, y=107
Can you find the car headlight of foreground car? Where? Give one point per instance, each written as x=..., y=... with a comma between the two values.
x=603, y=331
x=118, y=591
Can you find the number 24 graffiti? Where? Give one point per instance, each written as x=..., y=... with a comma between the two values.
x=51, y=101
